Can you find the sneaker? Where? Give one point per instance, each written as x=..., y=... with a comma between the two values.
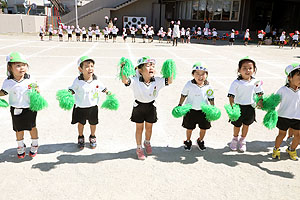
x=233, y=144
x=187, y=145
x=80, y=142
x=293, y=154
x=93, y=142
x=276, y=153
x=33, y=151
x=289, y=141
x=21, y=151
x=148, y=148
x=200, y=145
x=242, y=145
x=140, y=154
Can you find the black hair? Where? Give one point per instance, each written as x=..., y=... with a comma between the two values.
x=294, y=72
x=9, y=66
x=244, y=61
x=89, y=60
x=206, y=81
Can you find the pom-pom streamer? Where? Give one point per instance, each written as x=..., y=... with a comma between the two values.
x=3, y=103
x=37, y=102
x=65, y=98
x=233, y=112
x=270, y=119
x=110, y=103
x=180, y=111
x=169, y=69
x=126, y=68
x=212, y=113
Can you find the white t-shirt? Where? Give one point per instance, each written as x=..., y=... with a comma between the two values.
x=146, y=93
x=69, y=31
x=295, y=37
x=41, y=30
x=232, y=35
x=132, y=32
x=114, y=31
x=50, y=30
x=144, y=31
x=197, y=95
x=97, y=31
x=182, y=32
x=150, y=33
x=290, y=103
x=176, y=31
x=87, y=94
x=77, y=30
x=282, y=38
x=90, y=33
x=60, y=31
x=247, y=35
x=124, y=33
x=245, y=91
x=215, y=33
x=187, y=33
x=199, y=32
x=260, y=36
x=169, y=33
x=106, y=32
x=84, y=32
x=18, y=91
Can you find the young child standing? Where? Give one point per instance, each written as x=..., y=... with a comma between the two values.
x=87, y=89
x=132, y=32
x=60, y=33
x=17, y=86
x=161, y=35
x=90, y=34
x=195, y=92
x=215, y=35
x=150, y=34
x=106, y=33
x=42, y=33
x=50, y=31
x=242, y=92
x=289, y=111
x=124, y=35
x=144, y=33
x=83, y=34
x=77, y=32
x=145, y=89
x=114, y=31
x=199, y=33
x=182, y=35
x=169, y=35
x=70, y=32
x=282, y=39
x=97, y=32
x=295, y=39
x=232, y=37
x=260, y=37
x=188, y=35
x=246, y=37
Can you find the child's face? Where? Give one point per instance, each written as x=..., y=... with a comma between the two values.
x=295, y=81
x=87, y=69
x=18, y=69
x=200, y=76
x=247, y=70
x=148, y=70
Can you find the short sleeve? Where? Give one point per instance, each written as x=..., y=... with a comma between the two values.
x=258, y=89
x=6, y=86
x=161, y=82
x=74, y=87
x=101, y=86
x=210, y=93
x=232, y=89
x=186, y=89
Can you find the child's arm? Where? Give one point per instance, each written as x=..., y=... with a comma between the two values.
x=182, y=99
x=211, y=101
x=170, y=79
x=2, y=93
x=231, y=100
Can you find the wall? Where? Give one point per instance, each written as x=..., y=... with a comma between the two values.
x=29, y=23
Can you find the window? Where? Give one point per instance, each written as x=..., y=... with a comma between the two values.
x=217, y=10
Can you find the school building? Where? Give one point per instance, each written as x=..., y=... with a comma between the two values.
x=222, y=14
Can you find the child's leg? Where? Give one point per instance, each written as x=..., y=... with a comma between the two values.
x=236, y=131
x=189, y=134
x=21, y=147
x=202, y=134
x=245, y=129
x=93, y=129
x=281, y=135
x=34, y=143
x=188, y=142
x=20, y=135
x=296, y=139
x=33, y=133
x=80, y=129
x=138, y=133
x=200, y=142
x=234, y=141
x=148, y=127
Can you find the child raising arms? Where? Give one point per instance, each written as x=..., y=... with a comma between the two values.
x=242, y=92
x=289, y=111
x=145, y=89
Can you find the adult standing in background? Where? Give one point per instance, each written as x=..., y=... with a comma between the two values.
x=176, y=31
x=268, y=30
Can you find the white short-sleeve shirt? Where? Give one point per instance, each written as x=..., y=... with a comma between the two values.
x=69, y=31
x=295, y=37
x=245, y=91
x=146, y=93
x=197, y=95
x=232, y=35
x=215, y=33
x=169, y=33
x=18, y=91
x=260, y=36
x=84, y=32
x=282, y=38
x=87, y=94
x=290, y=103
x=247, y=35
x=97, y=31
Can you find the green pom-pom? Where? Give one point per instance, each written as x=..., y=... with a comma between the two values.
x=37, y=102
x=270, y=119
x=212, y=113
x=271, y=102
x=110, y=103
x=126, y=67
x=168, y=69
x=180, y=111
x=65, y=98
x=233, y=112
x=3, y=103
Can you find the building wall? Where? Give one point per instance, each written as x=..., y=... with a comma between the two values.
x=20, y=23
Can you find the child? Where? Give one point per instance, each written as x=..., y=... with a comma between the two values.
x=242, y=92
x=97, y=32
x=289, y=111
x=215, y=35
x=145, y=89
x=124, y=35
x=169, y=35
x=86, y=88
x=205, y=30
x=282, y=39
x=42, y=33
x=150, y=34
x=260, y=38
x=50, y=30
x=144, y=33
x=77, y=32
x=70, y=31
x=17, y=86
x=114, y=31
x=295, y=39
x=161, y=34
x=246, y=37
x=199, y=33
x=90, y=34
x=196, y=91
x=132, y=32
x=188, y=35
x=83, y=34
x=182, y=35
x=60, y=33
x=106, y=33
x=232, y=36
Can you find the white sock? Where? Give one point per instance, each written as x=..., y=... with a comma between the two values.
x=139, y=146
x=20, y=143
x=34, y=142
x=147, y=141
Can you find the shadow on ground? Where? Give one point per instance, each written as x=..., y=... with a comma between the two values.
x=163, y=154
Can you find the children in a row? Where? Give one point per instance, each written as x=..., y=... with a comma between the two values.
x=146, y=86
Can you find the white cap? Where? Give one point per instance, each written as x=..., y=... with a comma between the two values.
x=291, y=68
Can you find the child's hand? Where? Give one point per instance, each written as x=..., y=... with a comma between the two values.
x=260, y=104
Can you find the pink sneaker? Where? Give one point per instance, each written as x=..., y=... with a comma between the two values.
x=233, y=144
x=148, y=148
x=242, y=144
x=140, y=154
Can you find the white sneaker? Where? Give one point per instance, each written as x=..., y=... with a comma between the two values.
x=233, y=144
x=242, y=145
x=21, y=151
x=33, y=151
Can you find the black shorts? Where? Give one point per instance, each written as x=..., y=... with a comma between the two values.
x=82, y=114
x=41, y=34
x=231, y=39
x=247, y=116
x=246, y=39
x=150, y=36
x=198, y=36
x=168, y=37
x=97, y=35
x=50, y=33
x=144, y=112
x=295, y=41
x=281, y=42
x=285, y=123
x=194, y=117
x=182, y=36
x=143, y=36
x=160, y=36
x=215, y=37
x=260, y=39
x=114, y=35
x=132, y=36
x=106, y=36
x=77, y=34
x=124, y=37
x=84, y=36
x=24, y=121
x=90, y=37
x=69, y=35
x=60, y=35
